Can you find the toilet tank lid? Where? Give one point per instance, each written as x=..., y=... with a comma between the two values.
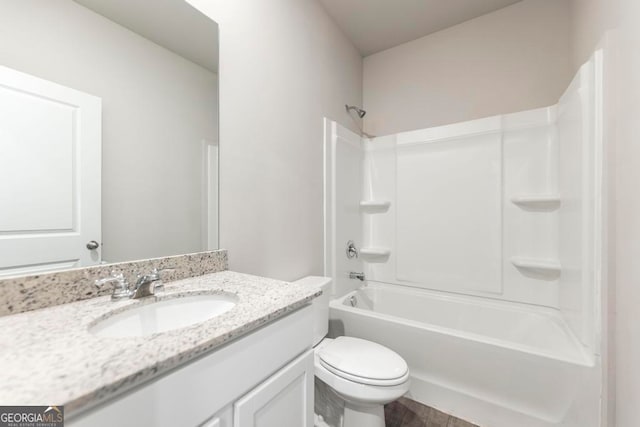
x=317, y=281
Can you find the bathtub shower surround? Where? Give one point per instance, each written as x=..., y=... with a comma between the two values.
x=480, y=243
x=33, y=292
x=491, y=362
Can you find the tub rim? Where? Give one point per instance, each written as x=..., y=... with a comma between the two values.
x=581, y=357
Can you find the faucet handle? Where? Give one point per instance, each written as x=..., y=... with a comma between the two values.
x=115, y=277
x=121, y=288
x=352, y=251
x=157, y=272
x=150, y=283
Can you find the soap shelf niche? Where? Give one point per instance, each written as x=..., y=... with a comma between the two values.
x=541, y=202
x=538, y=268
x=375, y=206
x=375, y=254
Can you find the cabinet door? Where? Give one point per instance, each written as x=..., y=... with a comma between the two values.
x=283, y=400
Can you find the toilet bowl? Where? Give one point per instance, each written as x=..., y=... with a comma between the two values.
x=364, y=374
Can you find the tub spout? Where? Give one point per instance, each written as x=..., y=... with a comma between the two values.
x=359, y=276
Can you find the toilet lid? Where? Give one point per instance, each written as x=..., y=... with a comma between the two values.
x=363, y=361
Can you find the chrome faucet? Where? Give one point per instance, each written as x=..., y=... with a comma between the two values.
x=148, y=284
x=359, y=276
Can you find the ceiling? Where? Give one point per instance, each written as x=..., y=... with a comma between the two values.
x=376, y=25
x=165, y=22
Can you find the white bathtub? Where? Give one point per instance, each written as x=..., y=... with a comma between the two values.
x=495, y=363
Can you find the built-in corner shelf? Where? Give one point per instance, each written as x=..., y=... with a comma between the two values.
x=375, y=254
x=537, y=201
x=375, y=206
x=544, y=268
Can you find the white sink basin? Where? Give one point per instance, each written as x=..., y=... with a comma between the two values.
x=164, y=315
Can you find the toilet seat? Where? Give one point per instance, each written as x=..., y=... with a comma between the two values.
x=356, y=392
x=363, y=362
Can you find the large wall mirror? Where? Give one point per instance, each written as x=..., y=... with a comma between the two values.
x=108, y=132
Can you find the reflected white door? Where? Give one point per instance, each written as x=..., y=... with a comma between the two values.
x=50, y=168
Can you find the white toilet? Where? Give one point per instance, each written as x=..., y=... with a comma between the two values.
x=365, y=374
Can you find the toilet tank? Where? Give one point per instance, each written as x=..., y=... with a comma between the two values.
x=320, y=305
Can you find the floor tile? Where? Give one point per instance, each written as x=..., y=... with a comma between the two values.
x=405, y=412
x=437, y=418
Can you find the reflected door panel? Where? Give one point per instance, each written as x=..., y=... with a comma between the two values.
x=50, y=167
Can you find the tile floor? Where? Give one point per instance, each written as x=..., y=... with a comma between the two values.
x=409, y=413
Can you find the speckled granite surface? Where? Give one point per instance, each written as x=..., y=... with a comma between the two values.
x=26, y=293
x=48, y=356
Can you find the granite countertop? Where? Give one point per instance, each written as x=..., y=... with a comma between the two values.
x=48, y=356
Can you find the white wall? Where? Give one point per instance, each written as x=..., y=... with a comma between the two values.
x=627, y=268
x=157, y=107
x=616, y=21
x=589, y=19
x=514, y=59
x=283, y=66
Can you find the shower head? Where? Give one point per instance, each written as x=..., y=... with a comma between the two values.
x=358, y=111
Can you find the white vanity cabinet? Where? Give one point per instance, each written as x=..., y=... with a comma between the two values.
x=283, y=400
x=263, y=379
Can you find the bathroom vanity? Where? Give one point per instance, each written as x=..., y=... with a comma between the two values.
x=262, y=379
x=250, y=364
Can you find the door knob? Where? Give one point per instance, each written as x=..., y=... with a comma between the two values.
x=93, y=245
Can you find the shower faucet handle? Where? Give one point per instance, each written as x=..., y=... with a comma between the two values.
x=352, y=251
